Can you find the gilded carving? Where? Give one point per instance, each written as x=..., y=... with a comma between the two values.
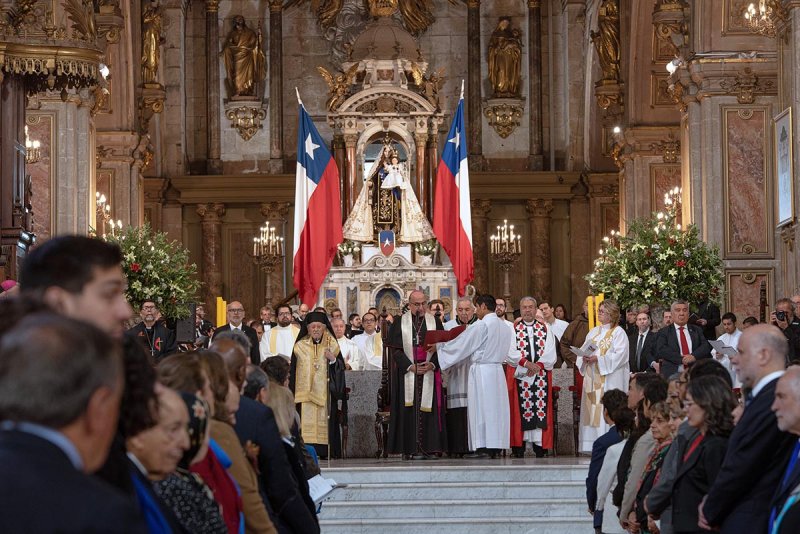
x=505, y=60
x=746, y=85
x=16, y=14
x=338, y=85
x=245, y=62
x=416, y=14
x=606, y=39
x=152, y=20
x=504, y=115
x=669, y=149
x=246, y=120
x=275, y=211
x=81, y=14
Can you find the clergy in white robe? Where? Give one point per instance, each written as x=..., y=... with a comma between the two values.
x=606, y=368
x=486, y=345
x=730, y=337
x=456, y=380
x=370, y=343
x=353, y=358
x=281, y=338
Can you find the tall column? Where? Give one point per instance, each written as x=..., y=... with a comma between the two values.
x=539, y=244
x=480, y=217
x=474, y=118
x=276, y=86
x=340, y=157
x=579, y=246
x=432, y=161
x=214, y=164
x=275, y=213
x=350, y=141
x=211, y=225
x=535, y=159
x=423, y=185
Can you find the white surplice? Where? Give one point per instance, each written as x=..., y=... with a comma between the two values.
x=614, y=366
x=279, y=342
x=732, y=340
x=351, y=354
x=486, y=344
x=457, y=377
x=371, y=346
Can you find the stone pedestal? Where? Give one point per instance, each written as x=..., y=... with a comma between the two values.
x=211, y=264
x=504, y=114
x=245, y=116
x=539, y=247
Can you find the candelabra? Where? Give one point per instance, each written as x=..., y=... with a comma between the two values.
x=765, y=18
x=505, y=248
x=267, y=253
x=33, y=151
x=103, y=208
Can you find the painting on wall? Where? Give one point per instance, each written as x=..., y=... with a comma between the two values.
x=783, y=167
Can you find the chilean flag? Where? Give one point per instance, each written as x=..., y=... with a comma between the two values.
x=317, y=217
x=452, y=219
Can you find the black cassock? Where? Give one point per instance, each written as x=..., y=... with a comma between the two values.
x=403, y=424
x=158, y=341
x=337, y=392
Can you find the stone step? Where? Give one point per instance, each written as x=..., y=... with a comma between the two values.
x=452, y=508
x=462, y=490
x=413, y=473
x=496, y=525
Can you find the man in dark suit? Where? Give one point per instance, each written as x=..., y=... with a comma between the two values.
x=50, y=445
x=235, y=316
x=641, y=345
x=757, y=454
x=708, y=319
x=155, y=337
x=787, y=412
x=680, y=344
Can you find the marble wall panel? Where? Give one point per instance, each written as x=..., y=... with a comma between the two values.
x=743, y=290
x=663, y=177
x=240, y=275
x=747, y=201
x=41, y=127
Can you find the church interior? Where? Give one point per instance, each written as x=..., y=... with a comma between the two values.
x=580, y=116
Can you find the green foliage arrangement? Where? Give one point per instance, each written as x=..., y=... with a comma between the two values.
x=157, y=269
x=658, y=262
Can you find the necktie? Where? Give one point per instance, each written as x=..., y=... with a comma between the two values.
x=787, y=475
x=748, y=398
x=639, y=347
x=684, y=343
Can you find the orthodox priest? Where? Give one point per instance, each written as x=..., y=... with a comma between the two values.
x=416, y=425
x=316, y=377
x=529, y=380
x=485, y=345
x=456, y=380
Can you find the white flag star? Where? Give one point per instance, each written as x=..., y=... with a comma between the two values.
x=456, y=140
x=310, y=147
x=387, y=243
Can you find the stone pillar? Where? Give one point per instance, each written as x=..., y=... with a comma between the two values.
x=431, y=163
x=474, y=118
x=350, y=141
x=276, y=86
x=275, y=213
x=14, y=237
x=535, y=159
x=423, y=185
x=480, y=253
x=579, y=246
x=340, y=157
x=539, y=243
x=214, y=163
x=211, y=224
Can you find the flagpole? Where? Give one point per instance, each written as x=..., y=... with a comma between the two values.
x=462, y=90
x=301, y=102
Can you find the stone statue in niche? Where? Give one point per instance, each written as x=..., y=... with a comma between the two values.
x=245, y=62
x=606, y=39
x=151, y=42
x=505, y=60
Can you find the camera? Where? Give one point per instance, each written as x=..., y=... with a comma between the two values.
x=780, y=315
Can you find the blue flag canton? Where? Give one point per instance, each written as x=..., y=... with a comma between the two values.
x=455, y=146
x=312, y=154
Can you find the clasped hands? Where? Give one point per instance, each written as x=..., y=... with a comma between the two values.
x=421, y=368
x=329, y=355
x=533, y=368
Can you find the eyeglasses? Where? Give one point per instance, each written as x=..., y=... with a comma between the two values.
x=368, y=321
x=235, y=310
x=281, y=314
x=149, y=307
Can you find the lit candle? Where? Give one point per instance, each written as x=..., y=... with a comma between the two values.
x=255, y=246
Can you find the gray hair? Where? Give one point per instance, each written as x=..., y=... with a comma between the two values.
x=256, y=379
x=677, y=301
x=238, y=336
x=523, y=299
x=51, y=365
x=465, y=299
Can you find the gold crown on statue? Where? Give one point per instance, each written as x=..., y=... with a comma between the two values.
x=382, y=8
x=388, y=143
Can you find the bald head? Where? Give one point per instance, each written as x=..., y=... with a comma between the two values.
x=235, y=359
x=235, y=313
x=787, y=401
x=762, y=350
x=416, y=302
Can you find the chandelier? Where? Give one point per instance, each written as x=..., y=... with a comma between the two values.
x=765, y=18
x=33, y=151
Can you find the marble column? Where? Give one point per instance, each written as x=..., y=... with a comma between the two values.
x=275, y=213
x=535, y=159
x=474, y=114
x=211, y=225
x=423, y=185
x=214, y=163
x=579, y=246
x=276, y=86
x=350, y=141
x=539, y=218
x=480, y=253
x=431, y=163
x=338, y=150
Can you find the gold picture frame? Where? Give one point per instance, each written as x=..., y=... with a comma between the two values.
x=784, y=167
